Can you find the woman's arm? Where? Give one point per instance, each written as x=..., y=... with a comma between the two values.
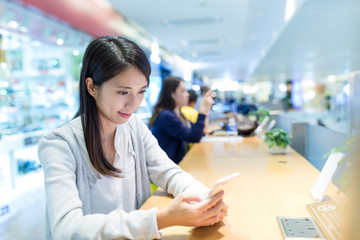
x=162, y=170
x=186, y=189
x=205, y=107
x=206, y=102
x=65, y=209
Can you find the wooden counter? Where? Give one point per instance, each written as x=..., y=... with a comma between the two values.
x=268, y=186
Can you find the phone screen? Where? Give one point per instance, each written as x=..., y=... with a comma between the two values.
x=218, y=186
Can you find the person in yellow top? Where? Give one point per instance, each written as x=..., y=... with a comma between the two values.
x=189, y=111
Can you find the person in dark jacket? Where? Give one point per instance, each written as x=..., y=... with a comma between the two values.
x=169, y=125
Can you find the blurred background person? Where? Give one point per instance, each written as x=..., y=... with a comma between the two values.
x=189, y=111
x=169, y=125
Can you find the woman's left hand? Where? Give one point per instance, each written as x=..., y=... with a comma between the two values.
x=206, y=103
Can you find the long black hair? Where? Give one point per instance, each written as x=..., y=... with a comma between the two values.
x=165, y=101
x=105, y=57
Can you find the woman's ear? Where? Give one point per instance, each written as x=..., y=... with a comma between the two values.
x=90, y=87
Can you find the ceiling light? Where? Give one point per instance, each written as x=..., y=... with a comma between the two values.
x=209, y=54
x=41, y=89
x=37, y=43
x=331, y=78
x=60, y=41
x=206, y=41
x=187, y=71
x=191, y=22
x=309, y=95
x=3, y=65
x=282, y=87
x=4, y=84
x=54, y=62
x=250, y=89
x=289, y=9
x=13, y=24
x=346, y=89
x=196, y=87
x=225, y=86
x=155, y=59
x=155, y=53
x=23, y=29
x=75, y=52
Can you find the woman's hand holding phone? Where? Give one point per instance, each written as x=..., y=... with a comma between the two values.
x=191, y=210
x=182, y=212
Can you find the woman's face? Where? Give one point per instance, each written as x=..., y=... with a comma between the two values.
x=181, y=95
x=118, y=98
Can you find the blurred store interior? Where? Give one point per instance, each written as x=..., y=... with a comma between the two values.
x=299, y=59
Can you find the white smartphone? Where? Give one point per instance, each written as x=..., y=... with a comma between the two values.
x=218, y=186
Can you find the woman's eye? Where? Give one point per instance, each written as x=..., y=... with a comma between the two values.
x=122, y=93
x=142, y=91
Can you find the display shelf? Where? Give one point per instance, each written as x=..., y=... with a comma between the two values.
x=14, y=147
x=29, y=189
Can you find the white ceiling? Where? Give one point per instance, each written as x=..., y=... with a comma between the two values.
x=322, y=39
x=250, y=40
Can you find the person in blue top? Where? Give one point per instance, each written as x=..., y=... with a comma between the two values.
x=169, y=125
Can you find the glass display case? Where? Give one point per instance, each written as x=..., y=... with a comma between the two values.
x=40, y=61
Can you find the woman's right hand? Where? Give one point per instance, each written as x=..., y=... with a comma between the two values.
x=181, y=211
x=206, y=103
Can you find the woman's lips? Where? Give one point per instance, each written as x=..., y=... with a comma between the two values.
x=124, y=115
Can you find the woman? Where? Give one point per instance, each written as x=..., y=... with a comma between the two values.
x=169, y=125
x=98, y=167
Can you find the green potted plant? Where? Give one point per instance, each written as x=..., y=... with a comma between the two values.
x=259, y=114
x=277, y=140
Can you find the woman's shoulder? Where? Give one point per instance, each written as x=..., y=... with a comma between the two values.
x=166, y=114
x=165, y=117
x=66, y=131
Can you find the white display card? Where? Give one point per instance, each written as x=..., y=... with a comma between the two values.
x=326, y=175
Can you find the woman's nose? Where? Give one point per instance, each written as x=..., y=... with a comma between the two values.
x=132, y=102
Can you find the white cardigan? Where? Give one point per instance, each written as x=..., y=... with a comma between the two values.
x=69, y=178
